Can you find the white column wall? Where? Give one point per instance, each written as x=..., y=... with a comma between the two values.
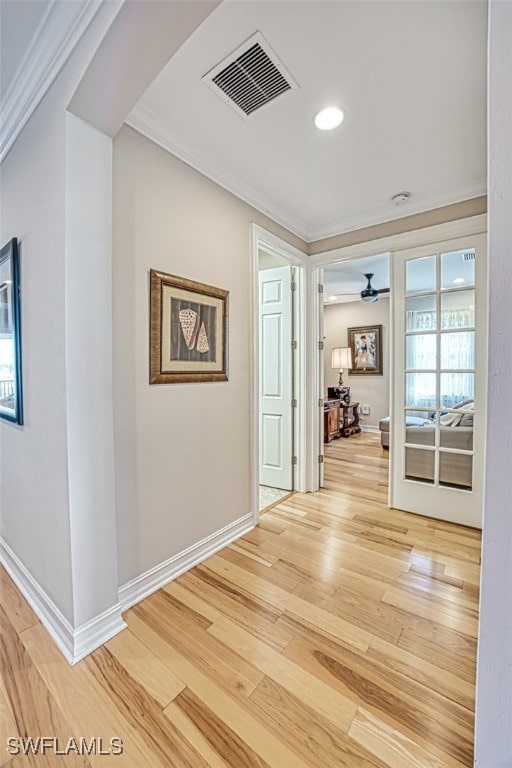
x=88, y=347
x=35, y=532
x=493, y=743
x=58, y=534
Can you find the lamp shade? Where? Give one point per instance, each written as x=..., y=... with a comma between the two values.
x=341, y=357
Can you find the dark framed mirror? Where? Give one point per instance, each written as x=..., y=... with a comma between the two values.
x=11, y=401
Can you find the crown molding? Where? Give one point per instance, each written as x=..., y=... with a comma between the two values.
x=383, y=215
x=60, y=29
x=146, y=122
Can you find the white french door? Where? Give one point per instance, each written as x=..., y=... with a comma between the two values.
x=276, y=377
x=439, y=320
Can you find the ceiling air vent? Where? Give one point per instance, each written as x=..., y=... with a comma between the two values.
x=251, y=77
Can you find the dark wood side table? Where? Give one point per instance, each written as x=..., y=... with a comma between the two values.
x=332, y=418
x=349, y=419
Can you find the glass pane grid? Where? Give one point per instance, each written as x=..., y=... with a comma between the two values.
x=439, y=374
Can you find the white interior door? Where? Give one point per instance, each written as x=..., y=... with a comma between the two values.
x=321, y=384
x=276, y=377
x=439, y=397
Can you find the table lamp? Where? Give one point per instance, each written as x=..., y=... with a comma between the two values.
x=341, y=358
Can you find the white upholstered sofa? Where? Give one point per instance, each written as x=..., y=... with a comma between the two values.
x=456, y=432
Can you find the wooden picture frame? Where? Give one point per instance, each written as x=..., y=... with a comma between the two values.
x=188, y=330
x=366, y=347
x=11, y=400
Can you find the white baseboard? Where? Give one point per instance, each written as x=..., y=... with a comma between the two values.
x=97, y=631
x=369, y=428
x=74, y=644
x=137, y=589
x=77, y=643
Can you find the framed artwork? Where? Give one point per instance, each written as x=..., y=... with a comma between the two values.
x=366, y=346
x=11, y=402
x=188, y=330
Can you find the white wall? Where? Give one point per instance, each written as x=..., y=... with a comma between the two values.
x=366, y=389
x=88, y=351
x=58, y=526
x=493, y=743
x=34, y=501
x=183, y=452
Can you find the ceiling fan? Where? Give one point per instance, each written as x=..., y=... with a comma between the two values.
x=369, y=293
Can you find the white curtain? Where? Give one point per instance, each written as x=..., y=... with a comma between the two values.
x=457, y=352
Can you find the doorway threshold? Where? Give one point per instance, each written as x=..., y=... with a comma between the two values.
x=269, y=497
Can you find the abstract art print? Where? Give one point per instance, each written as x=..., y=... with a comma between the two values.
x=188, y=330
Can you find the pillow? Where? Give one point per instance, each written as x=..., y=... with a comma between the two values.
x=450, y=419
x=467, y=405
x=463, y=419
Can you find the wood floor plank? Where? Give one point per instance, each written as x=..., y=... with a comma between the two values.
x=144, y=713
x=449, y=659
x=193, y=602
x=334, y=707
x=89, y=709
x=391, y=746
x=201, y=648
x=338, y=632
x=34, y=710
x=8, y=727
x=145, y=668
x=19, y=612
x=440, y=614
x=311, y=614
x=256, y=615
x=231, y=707
x=320, y=743
x=221, y=737
x=194, y=736
x=410, y=705
x=443, y=681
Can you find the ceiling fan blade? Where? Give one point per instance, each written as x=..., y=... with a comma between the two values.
x=383, y=290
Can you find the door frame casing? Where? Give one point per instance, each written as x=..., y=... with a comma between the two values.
x=451, y=230
x=262, y=239
x=412, y=495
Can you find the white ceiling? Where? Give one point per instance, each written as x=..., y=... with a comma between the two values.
x=410, y=76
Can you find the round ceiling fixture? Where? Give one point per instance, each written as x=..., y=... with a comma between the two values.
x=400, y=198
x=329, y=118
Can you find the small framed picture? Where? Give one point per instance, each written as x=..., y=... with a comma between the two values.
x=366, y=347
x=11, y=401
x=188, y=330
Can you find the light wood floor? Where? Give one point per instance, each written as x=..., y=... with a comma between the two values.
x=337, y=633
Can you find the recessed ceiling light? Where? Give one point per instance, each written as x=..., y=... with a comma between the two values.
x=329, y=118
x=459, y=281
